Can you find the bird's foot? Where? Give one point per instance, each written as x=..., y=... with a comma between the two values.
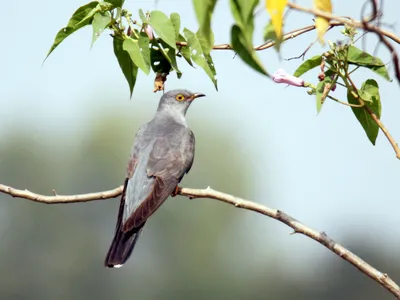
x=176, y=191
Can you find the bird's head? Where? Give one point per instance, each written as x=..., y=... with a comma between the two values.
x=177, y=100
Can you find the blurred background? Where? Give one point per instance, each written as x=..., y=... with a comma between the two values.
x=68, y=125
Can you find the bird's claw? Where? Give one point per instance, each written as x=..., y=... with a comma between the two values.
x=176, y=191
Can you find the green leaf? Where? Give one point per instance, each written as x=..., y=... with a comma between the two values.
x=100, y=22
x=322, y=92
x=245, y=50
x=369, y=92
x=243, y=13
x=370, y=89
x=132, y=47
x=247, y=9
x=89, y=17
x=81, y=17
x=163, y=27
x=363, y=59
x=116, y=3
x=359, y=57
x=206, y=46
x=184, y=50
x=210, y=63
x=142, y=16
x=309, y=64
x=129, y=69
x=201, y=58
x=319, y=90
x=204, y=10
x=176, y=22
x=270, y=35
x=235, y=9
x=242, y=32
x=170, y=55
x=382, y=71
x=159, y=63
x=144, y=45
x=163, y=58
x=365, y=95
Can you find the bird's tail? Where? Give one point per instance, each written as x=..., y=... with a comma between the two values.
x=123, y=242
x=122, y=246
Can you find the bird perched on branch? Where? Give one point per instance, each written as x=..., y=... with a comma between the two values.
x=161, y=155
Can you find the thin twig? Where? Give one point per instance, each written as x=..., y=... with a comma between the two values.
x=302, y=55
x=344, y=103
x=294, y=33
x=298, y=227
x=344, y=21
x=312, y=44
x=287, y=36
x=56, y=199
x=389, y=46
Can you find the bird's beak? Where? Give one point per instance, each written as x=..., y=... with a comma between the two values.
x=196, y=95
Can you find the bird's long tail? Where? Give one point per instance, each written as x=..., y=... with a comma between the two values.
x=123, y=242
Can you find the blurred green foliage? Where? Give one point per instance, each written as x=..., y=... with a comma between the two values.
x=190, y=249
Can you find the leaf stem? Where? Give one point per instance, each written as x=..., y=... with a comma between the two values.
x=344, y=103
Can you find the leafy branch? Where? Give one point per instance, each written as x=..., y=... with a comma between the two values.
x=365, y=102
x=155, y=42
x=298, y=227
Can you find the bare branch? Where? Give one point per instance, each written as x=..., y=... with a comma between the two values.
x=345, y=21
x=294, y=33
x=57, y=199
x=287, y=36
x=298, y=227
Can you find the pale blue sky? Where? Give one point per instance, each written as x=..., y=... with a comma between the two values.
x=326, y=173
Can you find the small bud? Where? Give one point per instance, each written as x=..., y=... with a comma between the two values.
x=334, y=86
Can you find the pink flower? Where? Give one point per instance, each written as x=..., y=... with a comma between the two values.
x=149, y=31
x=280, y=76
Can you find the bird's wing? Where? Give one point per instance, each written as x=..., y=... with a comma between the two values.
x=123, y=242
x=139, y=185
x=170, y=157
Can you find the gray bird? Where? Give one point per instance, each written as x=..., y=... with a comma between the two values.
x=161, y=155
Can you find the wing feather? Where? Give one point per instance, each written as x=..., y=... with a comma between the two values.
x=170, y=157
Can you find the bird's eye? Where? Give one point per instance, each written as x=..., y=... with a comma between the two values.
x=180, y=97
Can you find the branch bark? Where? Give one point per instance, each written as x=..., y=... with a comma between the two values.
x=57, y=199
x=345, y=21
x=298, y=227
x=334, y=21
x=287, y=36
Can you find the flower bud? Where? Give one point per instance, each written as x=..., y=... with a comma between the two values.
x=149, y=31
x=280, y=76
